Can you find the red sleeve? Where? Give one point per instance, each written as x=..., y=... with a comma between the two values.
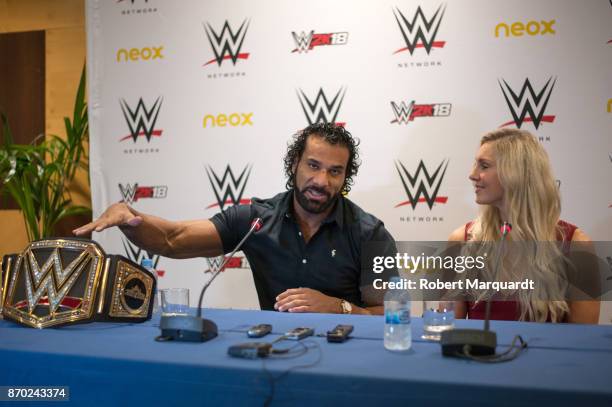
x=567, y=230
x=467, y=228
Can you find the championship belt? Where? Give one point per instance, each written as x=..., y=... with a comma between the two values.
x=68, y=281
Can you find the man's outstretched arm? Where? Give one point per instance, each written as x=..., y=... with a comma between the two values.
x=179, y=240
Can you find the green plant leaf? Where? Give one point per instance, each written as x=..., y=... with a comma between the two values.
x=37, y=175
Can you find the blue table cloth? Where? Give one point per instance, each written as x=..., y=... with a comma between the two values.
x=121, y=364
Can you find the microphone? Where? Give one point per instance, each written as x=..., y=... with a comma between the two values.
x=187, y=328
x=255, y=226
x=475, y=342
x=505, y=229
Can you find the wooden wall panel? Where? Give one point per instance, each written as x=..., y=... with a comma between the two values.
x=22, y=75
x=22, y=93
x=31, y=15
x=64, y=23
x=65, y=54
x=13, y=232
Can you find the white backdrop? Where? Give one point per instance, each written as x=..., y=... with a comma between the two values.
x=186, y=96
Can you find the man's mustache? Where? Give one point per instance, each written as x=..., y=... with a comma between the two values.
x=316, y=189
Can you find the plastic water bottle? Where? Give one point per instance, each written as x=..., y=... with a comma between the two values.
x=147, y=263
x=398, y=336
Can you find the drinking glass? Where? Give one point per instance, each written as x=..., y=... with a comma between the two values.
x=438, y=316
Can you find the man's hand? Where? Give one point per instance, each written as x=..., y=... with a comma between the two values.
x=118, y=214
x=307, y=300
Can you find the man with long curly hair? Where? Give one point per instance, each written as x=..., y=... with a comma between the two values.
x=307, y=257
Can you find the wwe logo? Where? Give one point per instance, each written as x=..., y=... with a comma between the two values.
x=528, y=105
x=403, y=112
x=51, y=273
x=420, y=32
x=141, y=121
x=136, y=254
x=422, y=187
x=302, y=41
x=321, y=110
x=132, y=193
x=227, y=45
x=228, y=189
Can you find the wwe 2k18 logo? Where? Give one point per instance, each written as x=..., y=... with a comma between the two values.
x=306, y=42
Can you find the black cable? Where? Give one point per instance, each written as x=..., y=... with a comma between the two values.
x=510, y=354
x=280, y=338
x=273, y=380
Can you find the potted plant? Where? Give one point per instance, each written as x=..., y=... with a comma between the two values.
x=37, y=175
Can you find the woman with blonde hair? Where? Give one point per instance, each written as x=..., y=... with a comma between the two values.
x=513, y=182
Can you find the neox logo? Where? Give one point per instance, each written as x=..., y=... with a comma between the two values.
x=233, y=119
x=227, y=44
x=136, y=254
x=518, y=29
x=407, y=112
x=422, y=187
x=528, y=105
x=141, y=120
x=420, y=32
x=132, y=192
x=136, y=54
x=321, y=109
x=228, y=188
x=306, y=42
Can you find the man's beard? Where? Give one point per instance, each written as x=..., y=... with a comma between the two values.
x=311, y=206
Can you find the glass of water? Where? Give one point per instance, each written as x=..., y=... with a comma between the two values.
x=175, y=301
x=438, y=316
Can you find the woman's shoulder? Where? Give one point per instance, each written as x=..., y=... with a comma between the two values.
x=580, y=236
x=571, y=232
x=461, y=233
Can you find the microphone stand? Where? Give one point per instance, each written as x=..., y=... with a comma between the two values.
x=477, y=342
x=188, y=328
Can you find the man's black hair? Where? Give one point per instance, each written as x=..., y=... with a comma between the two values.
x=331, y=133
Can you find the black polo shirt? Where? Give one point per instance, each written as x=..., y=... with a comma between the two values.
x=281, y=259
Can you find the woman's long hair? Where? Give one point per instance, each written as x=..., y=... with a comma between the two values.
x=533, y=207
